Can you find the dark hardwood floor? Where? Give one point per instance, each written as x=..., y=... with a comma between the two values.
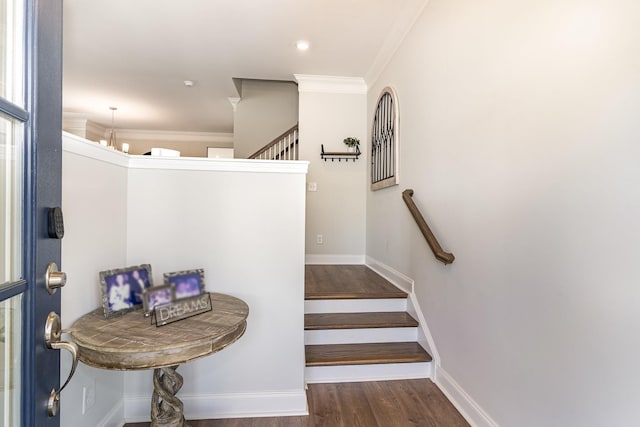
x=347, y=282
x=403, y=403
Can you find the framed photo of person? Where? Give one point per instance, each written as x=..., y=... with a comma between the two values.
x=123, y=289
x=188, y=283
x=157, y=295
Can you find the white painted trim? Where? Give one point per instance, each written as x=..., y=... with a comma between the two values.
x=333, y=259
x=331, y=84
x=360, y=373
x=394, y=276
x=468, y=407
x=360, y=336
x=425, y=338
x=234, y=103
x=220, y=165
x=407, y=284
x=401, y=27
x=85, y=148
x=355, y=305
x=113, y=418
x=231, y=405
x=80, y=122
x=96, y=129
x=171, y=135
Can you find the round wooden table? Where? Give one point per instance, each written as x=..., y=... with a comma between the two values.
x=131, y=342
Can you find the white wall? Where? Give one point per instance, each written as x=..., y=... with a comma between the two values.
x=94, y=204
x=518, y=133
x=246, y=230
x=242, y=221
x=330, y=112
x=266, y=110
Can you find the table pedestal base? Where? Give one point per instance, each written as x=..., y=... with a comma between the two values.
x=166, y=409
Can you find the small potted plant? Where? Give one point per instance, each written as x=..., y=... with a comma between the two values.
x=352, y=143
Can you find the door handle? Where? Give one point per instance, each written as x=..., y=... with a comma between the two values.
x=54, y=279
x=52, y=333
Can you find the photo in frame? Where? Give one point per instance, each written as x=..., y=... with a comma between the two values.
x=188, y=283
x=157, y=295
x=123, y=288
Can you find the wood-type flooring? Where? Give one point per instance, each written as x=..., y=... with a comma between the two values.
x=347, y=282
x=406, y=403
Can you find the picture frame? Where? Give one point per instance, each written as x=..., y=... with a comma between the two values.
x=188, y=283
x=123, y=289
x=157, y=295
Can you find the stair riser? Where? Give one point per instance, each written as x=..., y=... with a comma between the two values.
x=358, y=336
x=355, y=305
x=357, y=373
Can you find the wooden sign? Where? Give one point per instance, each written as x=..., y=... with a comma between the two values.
x=181, y=309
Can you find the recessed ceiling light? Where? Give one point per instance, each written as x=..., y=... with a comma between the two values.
x=302, y=45
x=188, y=83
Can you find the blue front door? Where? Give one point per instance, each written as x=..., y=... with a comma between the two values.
x=30, y=181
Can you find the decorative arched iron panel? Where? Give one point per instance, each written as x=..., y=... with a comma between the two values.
x=384, y=141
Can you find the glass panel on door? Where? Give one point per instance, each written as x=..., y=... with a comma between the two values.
x=10, y=269
x=11, y=190
x=10, y=372
x=11, y=136
x=12, y=51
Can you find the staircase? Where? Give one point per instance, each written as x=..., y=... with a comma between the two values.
x=284, y=147
x=357, y=328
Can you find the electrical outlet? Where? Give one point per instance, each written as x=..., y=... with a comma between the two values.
x=88, y=395
x=313, y=186
x=319, y=239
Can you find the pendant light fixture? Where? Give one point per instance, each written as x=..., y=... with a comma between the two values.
x=112, y=134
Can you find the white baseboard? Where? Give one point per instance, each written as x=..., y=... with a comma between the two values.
x=327, y=259
x=398, y=279
x=424, y=336
x=469, y=409
x=232, y=405
x=406, y=283
x=360, y=373
x=114, y=418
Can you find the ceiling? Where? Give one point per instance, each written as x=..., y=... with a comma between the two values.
x=136, y=55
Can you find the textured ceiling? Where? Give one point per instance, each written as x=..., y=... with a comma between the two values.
x=135, y=55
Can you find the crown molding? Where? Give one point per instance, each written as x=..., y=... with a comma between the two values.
x=330, y=84
x=234, y=102
x=96, y=129
x=401, y=27
x=164, y=135
x=79, y=122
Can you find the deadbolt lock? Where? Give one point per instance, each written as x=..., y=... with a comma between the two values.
x=54, y=279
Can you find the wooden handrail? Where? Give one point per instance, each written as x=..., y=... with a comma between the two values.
x=274, y=142
x=440, y=254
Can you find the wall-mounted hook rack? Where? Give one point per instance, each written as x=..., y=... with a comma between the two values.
x=339, y=155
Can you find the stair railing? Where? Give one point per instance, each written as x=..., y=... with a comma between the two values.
x=440, y=254
x=284, y=147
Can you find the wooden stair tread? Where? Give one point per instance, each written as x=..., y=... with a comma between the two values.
x=358, y=320
x=365, y=354
x=347, y=282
